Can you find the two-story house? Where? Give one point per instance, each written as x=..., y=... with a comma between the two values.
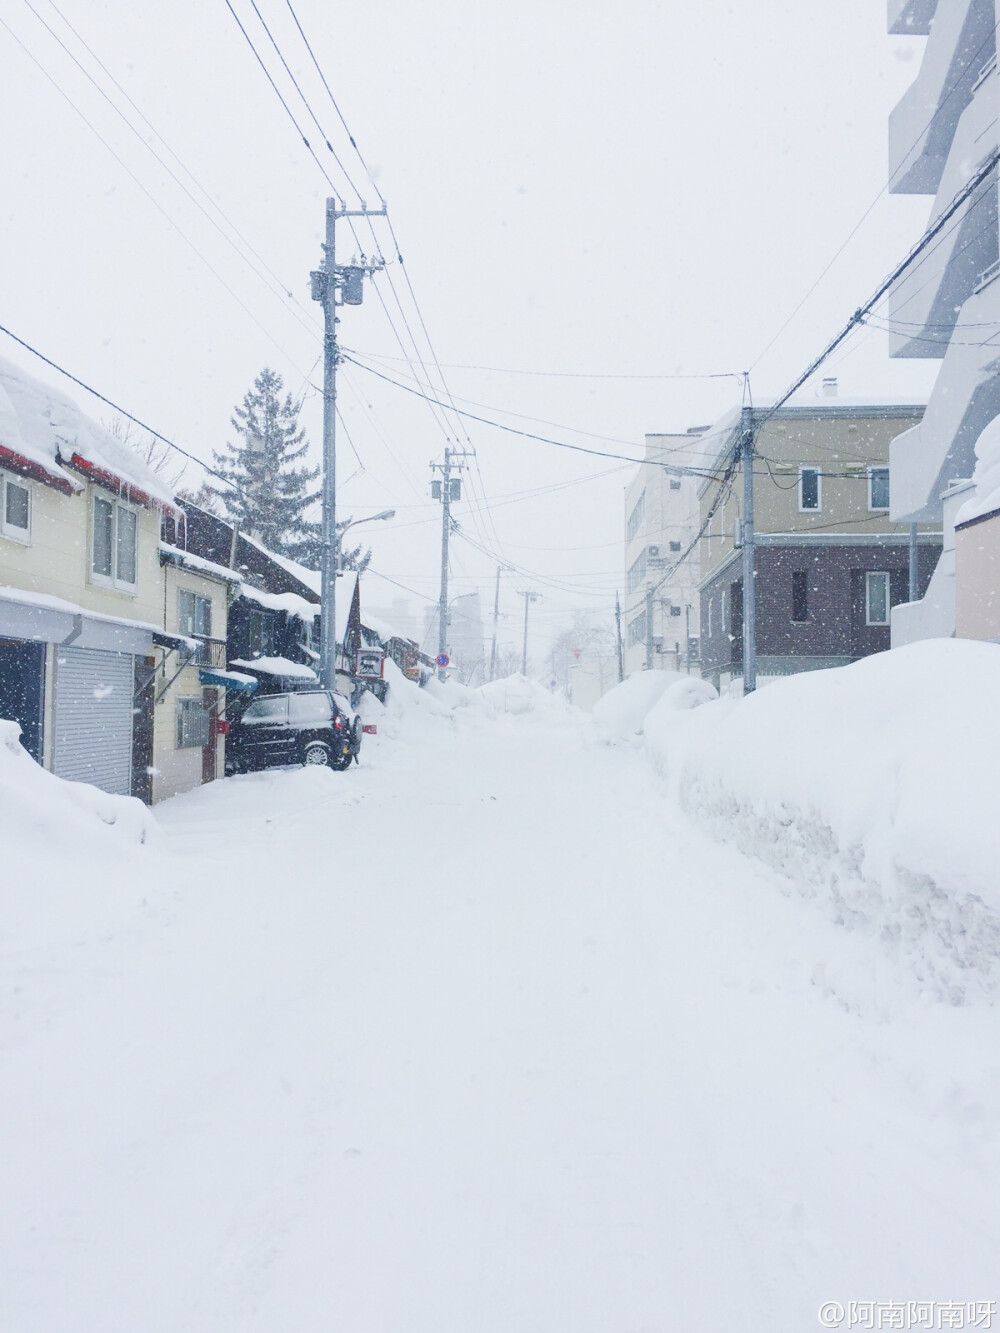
x=81, y=589
x=829, y=562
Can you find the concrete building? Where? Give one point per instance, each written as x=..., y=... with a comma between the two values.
x=947, y=305
x=830, y=564
x=660, y=609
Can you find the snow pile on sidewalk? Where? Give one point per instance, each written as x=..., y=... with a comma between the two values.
x=40, y=812
x=621, y=713
x=518, y=695
x=874, y=787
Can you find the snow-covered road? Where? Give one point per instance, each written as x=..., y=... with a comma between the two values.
x=480, y=1037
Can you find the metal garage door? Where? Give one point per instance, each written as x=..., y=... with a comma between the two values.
x=93, y=718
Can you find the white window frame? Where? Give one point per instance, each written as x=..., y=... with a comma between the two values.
x=12, y=531
x=96, y=576
x=870, y=576
x=188, y=705
x=818, y=507
x=874, y=508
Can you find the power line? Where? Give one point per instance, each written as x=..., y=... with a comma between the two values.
x=159, y=207
x=530, y=435
x=885, y=188
x=574, y=374
x=267, y=276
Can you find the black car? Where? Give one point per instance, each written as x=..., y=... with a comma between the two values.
x=302, y=727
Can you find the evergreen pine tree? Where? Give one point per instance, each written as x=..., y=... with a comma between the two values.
x=272, y=495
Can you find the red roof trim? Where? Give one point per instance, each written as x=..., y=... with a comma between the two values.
x=27, y=467
x=112, y=483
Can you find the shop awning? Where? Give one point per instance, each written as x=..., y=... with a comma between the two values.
x=229, y=680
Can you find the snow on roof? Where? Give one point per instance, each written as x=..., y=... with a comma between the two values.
x=199, y=563
x=310, y=577
x=50, y=603
x=276, y=666
x=986, y=498
x=46, y=428
x=290, y=602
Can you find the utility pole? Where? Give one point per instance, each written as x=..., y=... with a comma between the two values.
x=496, y=619
x=749, y=548
x=618, y=639
x=649, y=628
x=687, y=638
x=529, y=597
x=328, y=282
x=445, y=490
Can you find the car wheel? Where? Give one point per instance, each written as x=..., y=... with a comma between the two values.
x=317, y=752
x=341, y=761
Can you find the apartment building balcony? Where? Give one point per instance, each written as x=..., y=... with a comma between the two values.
x=925, y=460
x=922, y=126
x=911, y=18
x=924, y=305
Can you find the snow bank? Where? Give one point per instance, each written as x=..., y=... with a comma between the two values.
x=986, y=497
x=452, y=693
x=518, y=695
x=40, y=812
x=873, y=787
x=621, y=713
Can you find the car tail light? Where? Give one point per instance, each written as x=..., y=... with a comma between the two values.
x=338, y=722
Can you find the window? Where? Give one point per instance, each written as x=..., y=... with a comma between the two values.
x=194, y=618
x=194, y=729
x=261, y=634
x=636, y=517
x=675, y=485
x=15, y=509
x=310, y=709
x=877, y=599
x=878, y=488
x=810, y=496
x=273, y=708
x=637, y=573
x=800, y=595
x=637, y=630
x=114, y=550
x=708, y=627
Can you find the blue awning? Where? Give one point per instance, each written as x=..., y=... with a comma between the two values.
x=230, y=680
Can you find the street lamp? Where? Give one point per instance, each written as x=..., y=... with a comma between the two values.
x=353, y=523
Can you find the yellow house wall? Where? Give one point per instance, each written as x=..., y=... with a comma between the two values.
x=57, y=560
x=838, y=445
x=177, y=770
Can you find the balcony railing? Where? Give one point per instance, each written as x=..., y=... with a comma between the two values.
x=210, y=652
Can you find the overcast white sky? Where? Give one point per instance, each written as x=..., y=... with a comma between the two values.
x=594, y=191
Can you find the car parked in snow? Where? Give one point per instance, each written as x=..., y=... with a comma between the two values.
x=300, y=727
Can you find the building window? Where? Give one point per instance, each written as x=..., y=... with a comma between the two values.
x=261, y=634
x=878, y=488
x=637, y=573
x=194, y=729
x=194, y=618
x=810, y=494
x=800, y=595
x=709, y=626
x=637, y=630
x=675, y=485
x=877, y=601
x=15, y=509
x=638, y=514
x=114, y=551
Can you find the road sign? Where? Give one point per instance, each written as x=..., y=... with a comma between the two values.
x=442, y=659
x=578, y=653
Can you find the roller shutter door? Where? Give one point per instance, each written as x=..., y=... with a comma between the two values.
x=93, y=718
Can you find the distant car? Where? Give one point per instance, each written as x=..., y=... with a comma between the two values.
x=302, y=727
